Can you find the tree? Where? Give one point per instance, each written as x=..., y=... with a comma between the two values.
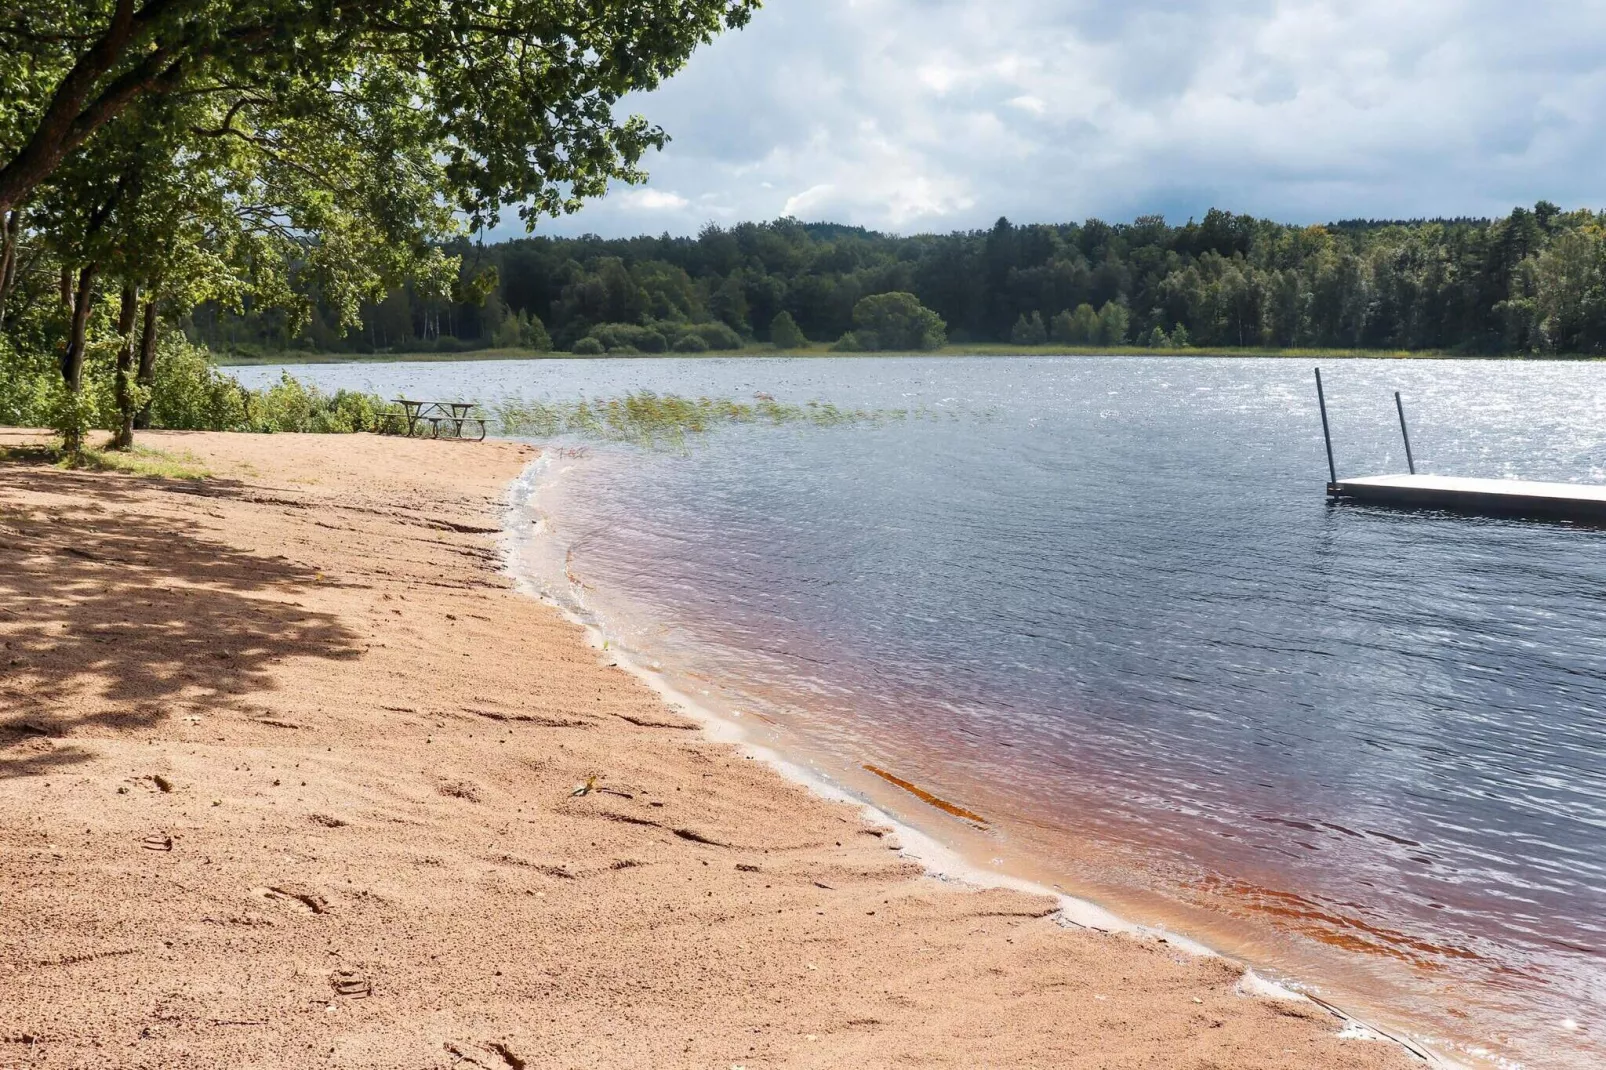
x=1029, y=332
x=1080, y=327
x=69, y=70
x=897, y=321
x=1113, y=319
x=533, y=333
x=1570, y=279
x=288, y=149
x=784, y=333
x=1473, y=285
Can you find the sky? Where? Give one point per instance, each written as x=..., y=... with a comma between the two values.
x=916, y=116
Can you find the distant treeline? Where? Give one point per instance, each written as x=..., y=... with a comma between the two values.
x=1532, y=282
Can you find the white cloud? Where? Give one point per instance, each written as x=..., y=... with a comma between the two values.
x=935, y=114
x=651, y=200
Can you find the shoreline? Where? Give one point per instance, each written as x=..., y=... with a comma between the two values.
x=991, y=349
x=941, y=861
x=298, y=778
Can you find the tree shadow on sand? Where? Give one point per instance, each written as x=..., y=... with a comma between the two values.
x=110, y=620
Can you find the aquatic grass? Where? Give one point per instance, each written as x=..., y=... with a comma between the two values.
x=653, y=420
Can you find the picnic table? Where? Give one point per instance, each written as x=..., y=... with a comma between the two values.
x=448, y=418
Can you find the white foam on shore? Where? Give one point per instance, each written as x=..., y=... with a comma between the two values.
x=939, y=860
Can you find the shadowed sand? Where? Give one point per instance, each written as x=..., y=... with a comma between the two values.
x=287, y=771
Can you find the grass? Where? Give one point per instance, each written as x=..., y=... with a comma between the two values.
x=648, y=419
x=138, y=461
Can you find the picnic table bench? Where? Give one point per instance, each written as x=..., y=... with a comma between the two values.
x=440, y=417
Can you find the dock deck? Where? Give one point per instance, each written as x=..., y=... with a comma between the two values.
x=1520, y=497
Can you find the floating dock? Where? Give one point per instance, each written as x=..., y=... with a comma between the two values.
x=1507, y=497
x=1510, y=497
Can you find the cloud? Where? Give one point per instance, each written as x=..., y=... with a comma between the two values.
x=652, y=200
x=912, y=115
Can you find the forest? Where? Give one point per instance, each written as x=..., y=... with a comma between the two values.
x=1533, y=282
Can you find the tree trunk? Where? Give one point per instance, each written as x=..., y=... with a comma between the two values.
x=8, y=258
x=127, y=315
x=72, y=358
x=147, y=363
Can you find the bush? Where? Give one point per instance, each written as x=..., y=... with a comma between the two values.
x=897, y=321
x=1113, y=320
x=629, y=338
x=588, y=347
x=1029, y=332
x=691, y=343
x=1076, y=328
x=784, y=332
x=292, y=406
x=717, y=335
x=190, y=393
x=28, y=383
x=854, y=342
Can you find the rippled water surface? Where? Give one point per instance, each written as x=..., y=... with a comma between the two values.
x=1104, y=603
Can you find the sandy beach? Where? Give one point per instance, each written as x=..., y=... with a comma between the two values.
x=291, y=775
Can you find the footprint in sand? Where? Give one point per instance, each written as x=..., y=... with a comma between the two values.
x=294, y=897
x=351, y=984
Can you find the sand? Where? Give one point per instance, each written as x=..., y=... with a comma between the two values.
x=288, y=775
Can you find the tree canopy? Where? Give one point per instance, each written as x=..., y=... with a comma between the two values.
x=517, y=94
x=896, y=321
x=305, y=158
x=1531, y=282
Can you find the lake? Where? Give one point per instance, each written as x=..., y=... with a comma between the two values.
x=1104, y=605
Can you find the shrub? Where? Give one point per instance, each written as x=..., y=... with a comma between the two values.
x=1029, y=332
x=691, y=343
x=28, y=381
x=190, y=393
x=853, y=342
x=629, y=338
x=292, y=406
x=1076, y=328
x=1113, y=321
x=588, y=347
x=785, y=333
x=897, y=321
x=717, y=335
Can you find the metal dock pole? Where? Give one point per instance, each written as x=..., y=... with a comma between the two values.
x=1327, y=437
x=1409, y=460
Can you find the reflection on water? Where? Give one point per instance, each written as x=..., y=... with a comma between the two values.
x=1105, y=604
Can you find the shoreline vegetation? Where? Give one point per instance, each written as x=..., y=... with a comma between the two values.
x=485, y=836
x=235, y=359
x=1529, y=283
